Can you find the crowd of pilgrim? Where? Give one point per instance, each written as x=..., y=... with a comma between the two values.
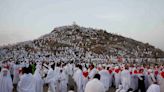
x=80, y=77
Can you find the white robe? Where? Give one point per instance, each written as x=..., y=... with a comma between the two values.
x=104, y=79
x=50, y=80
x=26, y=83
x=146, y=81
x=153, y=88
x=110, y=79
x=78, y=78
x=125, y=79
x=94, y=85
x=63, y=82
x=85, y=80
x=57, y=78
x=161, y=83
x=70, y=69
x=117, y=80
x=134, y=82
x=151, y=79
x=38, y=81
x=92, y=73
x=6, y=83
x=16, y=74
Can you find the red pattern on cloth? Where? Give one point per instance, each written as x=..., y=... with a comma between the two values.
x=117, y=70
x=162, y=74
x=85, y=74
x=110, y=71
x=156, y=72
x=135, y=72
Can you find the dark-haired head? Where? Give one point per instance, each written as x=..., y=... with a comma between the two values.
x=29, y=69
x=17, y=63
x=25, y=70
x=53, y=66
x=80, y=67
x=71, y=62
x=58, y=64
x=155, y=82
x=126, y=67
x=108, y=68
x=97, y=76
x=92, y=66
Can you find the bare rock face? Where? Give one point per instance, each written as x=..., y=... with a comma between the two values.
x=78, y=43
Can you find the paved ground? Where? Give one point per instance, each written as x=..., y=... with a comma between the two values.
x=112, y=89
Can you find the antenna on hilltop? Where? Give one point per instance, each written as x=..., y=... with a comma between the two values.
x=74, y=23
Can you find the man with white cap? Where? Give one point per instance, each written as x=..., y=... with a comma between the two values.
x=5, y=81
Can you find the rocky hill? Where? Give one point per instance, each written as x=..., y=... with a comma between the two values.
x=78, y=43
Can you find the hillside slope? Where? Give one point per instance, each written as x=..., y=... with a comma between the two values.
x=78, y=43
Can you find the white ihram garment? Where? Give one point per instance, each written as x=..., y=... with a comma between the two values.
x=94, y=85
x=38, y=81
x=125, y=79
x=5, y=82
x=78, y=78
x=104, y=78
x=26, y=83
x=153, y=88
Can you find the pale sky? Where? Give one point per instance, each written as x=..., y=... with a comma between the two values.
x=142, y=20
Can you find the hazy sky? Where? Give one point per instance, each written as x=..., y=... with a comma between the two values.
x=142, y=20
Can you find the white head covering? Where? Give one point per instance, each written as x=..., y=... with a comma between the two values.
x=150, y=70
x=120, y=87
x=37, y=74
x=6, y=84
x=116, y=67
x=2, y=73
